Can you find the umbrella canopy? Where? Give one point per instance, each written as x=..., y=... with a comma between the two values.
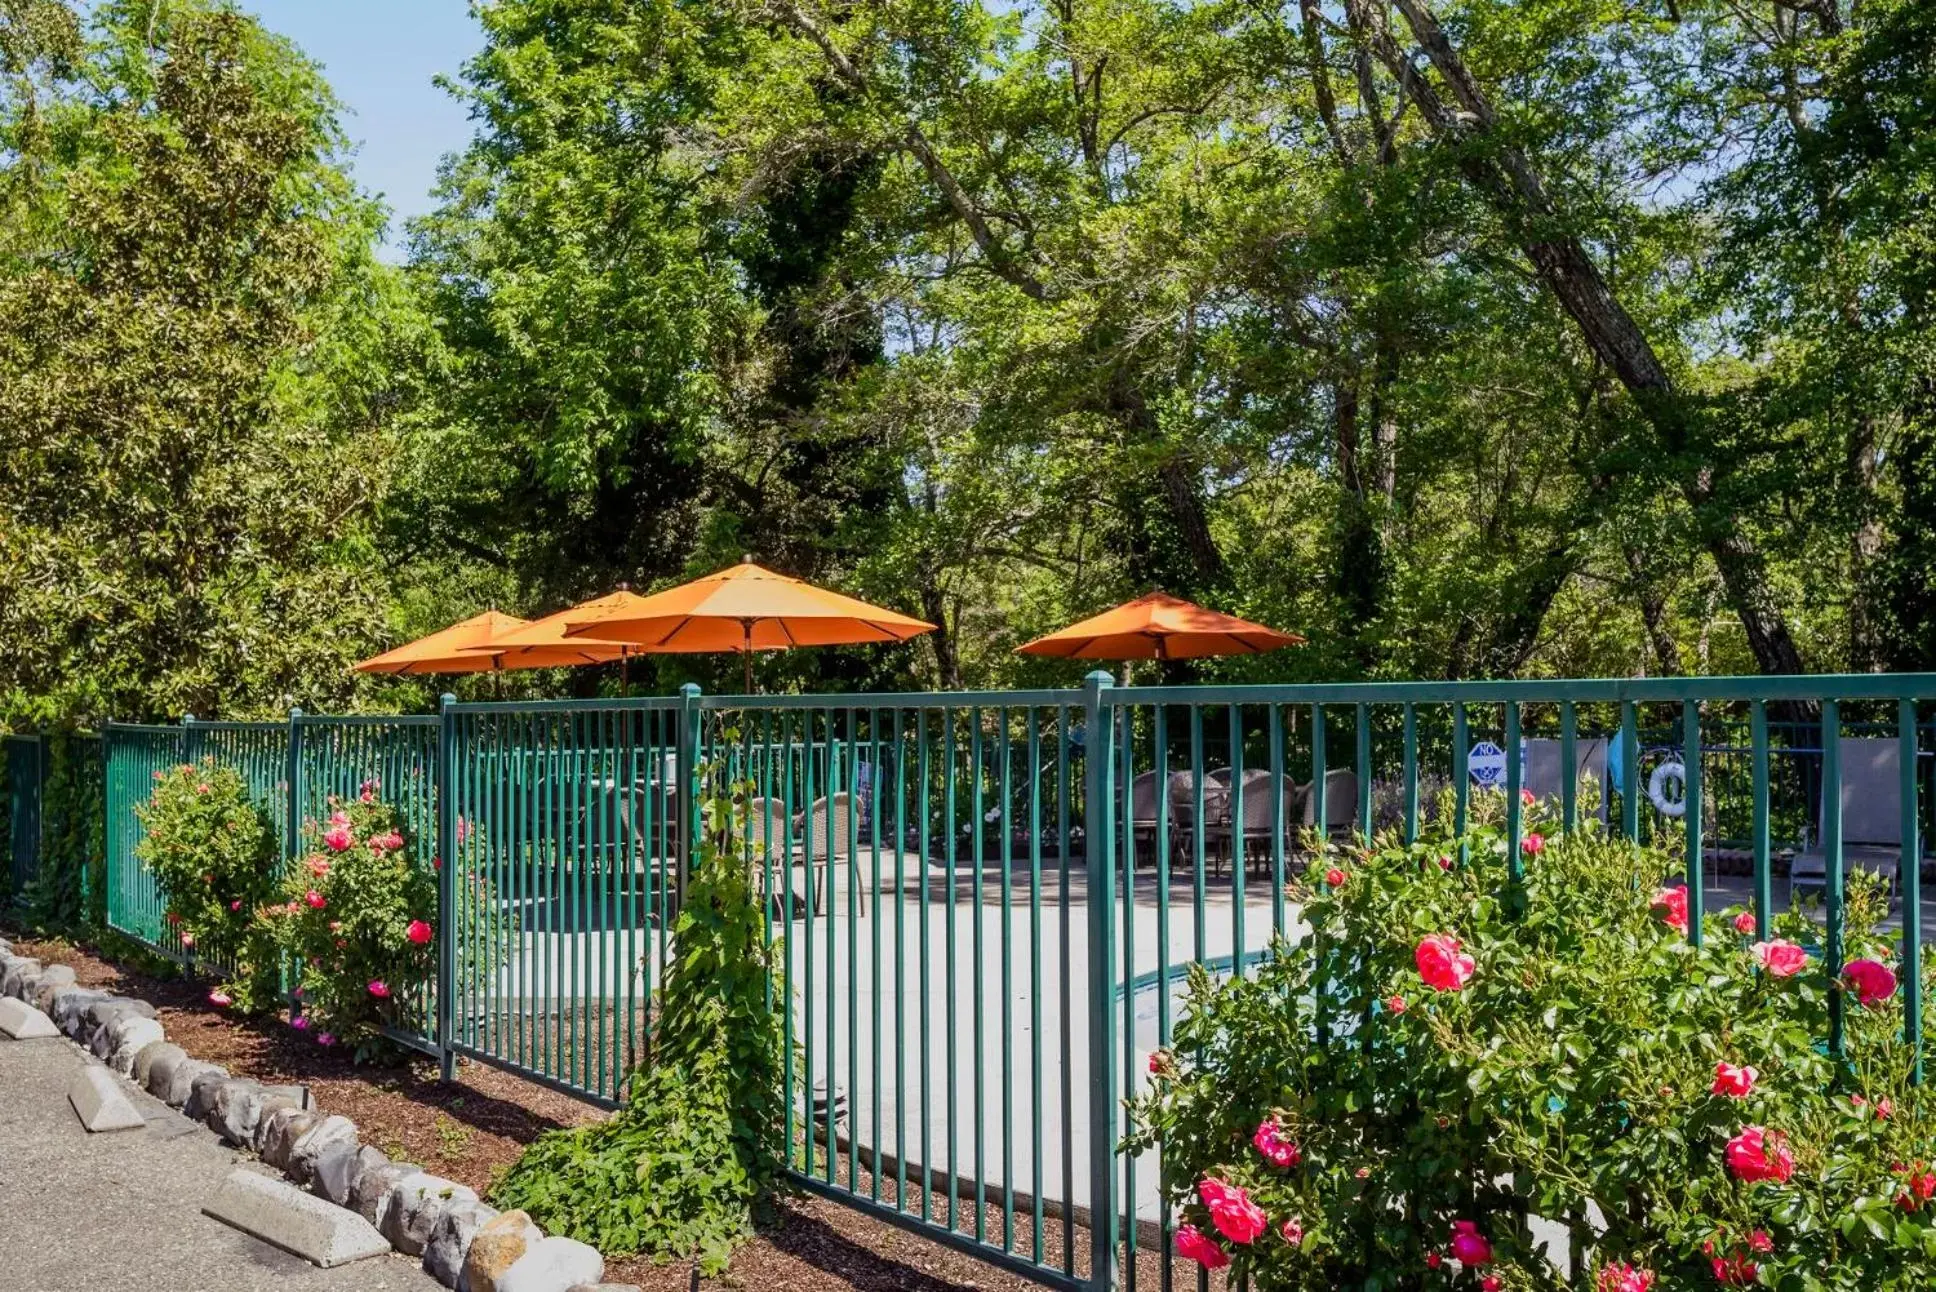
x=467, y=647
x=1159, y=626
x=545, y=638
x=745, y=608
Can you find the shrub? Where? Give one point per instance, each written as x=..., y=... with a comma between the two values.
x=679, y=1171
x=1440, y=1056
x=212, y=850
x=358, y=923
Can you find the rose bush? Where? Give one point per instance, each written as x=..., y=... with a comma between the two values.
x=212, y=850
x=1440, y=1056
x=357, y=919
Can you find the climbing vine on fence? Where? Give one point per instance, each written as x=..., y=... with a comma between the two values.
x=681, y=1169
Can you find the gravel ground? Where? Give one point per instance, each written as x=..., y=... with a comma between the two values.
x=475, y=1127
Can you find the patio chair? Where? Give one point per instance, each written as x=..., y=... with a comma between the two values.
x=1143, y=803
x=1871, y=817
x=1340, y=801
x=1546, y=779
x=1258, y=815
x=776, y=851
x=830, y=827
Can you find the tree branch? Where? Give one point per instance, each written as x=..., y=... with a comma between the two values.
x=993, y=249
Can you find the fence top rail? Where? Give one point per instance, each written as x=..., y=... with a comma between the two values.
x=326, y=720
x=1798, y=687
x=205, y=724
x=870, y=701
x=140, y=729
x=527, y=708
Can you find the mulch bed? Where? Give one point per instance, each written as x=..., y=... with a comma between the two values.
x=473, y=1128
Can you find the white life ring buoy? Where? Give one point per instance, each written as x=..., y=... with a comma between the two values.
x=1657, y=789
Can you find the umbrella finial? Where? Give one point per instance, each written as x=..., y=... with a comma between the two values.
x=624, y=587
x=745, y=558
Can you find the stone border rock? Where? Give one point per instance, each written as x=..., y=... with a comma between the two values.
x=414, y=1212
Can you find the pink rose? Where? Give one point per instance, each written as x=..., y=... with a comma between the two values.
x=1469, y=1246
x=1292, y=1231
x=1441, y=965
x=220, y=999
x=338, y=838
x=315, y=900
x=1396, y=1004
x=1433, y=1260
x=1885, y=1109
x=380, y=989
x=1760, y=1242
x=1334, y=877
x=300, y=1023
x=188, y=940
x=1734, y=1271
x=1624, y=1278
x=1781, y=958
x=1754, y=1155
x=1490, y=1283
x=1528, y=798
x=325, y=1038
x=1734, y=1082
x=1270, y=1143
x=1231, y=1210
x=1192, y=1244
x=339, y=818
x=319, y=866
x=235, y=905
x=1672, y=903
x=1445, y=862
x=1533, y=844
x=1744, y=924
x=420, y=933
x=1874, y=982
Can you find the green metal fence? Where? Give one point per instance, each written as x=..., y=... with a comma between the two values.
x=986, y=901
x=26, y=779
x=136, y=756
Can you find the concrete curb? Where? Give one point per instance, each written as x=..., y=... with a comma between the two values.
x=23, y=1022
x=300, y=1223
x=100, y=1103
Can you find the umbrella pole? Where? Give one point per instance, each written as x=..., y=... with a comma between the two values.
x=749, y=656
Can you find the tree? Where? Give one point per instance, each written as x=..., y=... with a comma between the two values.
x=192, y=325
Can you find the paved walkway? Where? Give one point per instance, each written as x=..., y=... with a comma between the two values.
x=122, y=1211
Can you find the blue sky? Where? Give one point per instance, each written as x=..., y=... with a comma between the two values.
x=380, y=56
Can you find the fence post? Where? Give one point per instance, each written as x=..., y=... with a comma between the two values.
x=191, y=740
x=688, y=800
x=293, y=777
x=1098, y=845
x=446, y=884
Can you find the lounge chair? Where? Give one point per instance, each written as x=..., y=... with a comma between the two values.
x=1871, y=817
x=1546, y=780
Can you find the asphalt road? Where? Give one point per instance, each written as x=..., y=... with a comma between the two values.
x=122, y=1212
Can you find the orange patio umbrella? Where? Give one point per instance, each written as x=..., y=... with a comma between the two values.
x=466, y=647
x=744, y=608
x=545, y=638
x=1159, y=626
